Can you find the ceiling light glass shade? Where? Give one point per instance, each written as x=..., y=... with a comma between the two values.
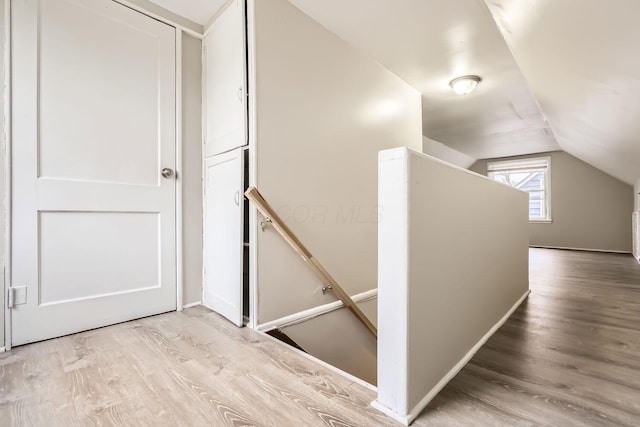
x=464, y=85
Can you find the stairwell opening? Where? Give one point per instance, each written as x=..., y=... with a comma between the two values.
x=337, y=338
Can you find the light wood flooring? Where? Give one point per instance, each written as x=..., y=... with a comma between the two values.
x=569, y=356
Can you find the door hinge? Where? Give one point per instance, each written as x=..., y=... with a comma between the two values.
x=16, y=296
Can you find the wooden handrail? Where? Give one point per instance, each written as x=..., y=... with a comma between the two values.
x=266, y=210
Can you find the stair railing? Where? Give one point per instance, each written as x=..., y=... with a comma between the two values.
x=330, y=283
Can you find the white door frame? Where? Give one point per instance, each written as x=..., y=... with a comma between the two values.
x=179, y=240
x=8, y=164
x=253, y=163
x=7, y=170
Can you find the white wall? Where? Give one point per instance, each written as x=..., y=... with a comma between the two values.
x=453, y=261
x=444, y=152
x=324, y=110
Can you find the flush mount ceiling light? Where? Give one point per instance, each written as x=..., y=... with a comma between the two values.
x=464, y=85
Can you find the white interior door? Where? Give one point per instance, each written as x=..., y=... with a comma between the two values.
x=93, y=220
x=225, y=86
x=223, y=229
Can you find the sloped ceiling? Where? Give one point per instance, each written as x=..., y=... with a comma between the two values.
x=581, y=59
x=429, y=42
x=556, y=74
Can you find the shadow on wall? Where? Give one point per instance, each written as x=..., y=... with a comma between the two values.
x=340, y=340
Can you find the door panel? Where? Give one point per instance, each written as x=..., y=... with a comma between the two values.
x=223, y=228
x=72, y=72
x=93, y=224
x=225, y=82
x=68, y=271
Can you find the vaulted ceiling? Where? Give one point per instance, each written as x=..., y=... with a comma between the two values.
x=581, y=59
x=557, y=74
x=429, y=42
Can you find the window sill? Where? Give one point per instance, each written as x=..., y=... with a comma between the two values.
x=540, y=221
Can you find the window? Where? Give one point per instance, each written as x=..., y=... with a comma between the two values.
x=530, y=175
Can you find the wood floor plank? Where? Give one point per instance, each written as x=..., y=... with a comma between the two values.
x=570, y=356
x=452, y=407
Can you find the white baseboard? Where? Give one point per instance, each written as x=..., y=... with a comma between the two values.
x=305, y=315
x=413, y=414
x=192, y=304
x=580, y=249
x=391, y=413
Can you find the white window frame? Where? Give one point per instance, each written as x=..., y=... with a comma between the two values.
x=522, y=165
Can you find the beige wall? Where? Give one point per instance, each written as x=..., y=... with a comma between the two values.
x=446, y=277
x=589, y=209
x=324, y=110
x=192, y=168
x=446, y=153
x=353, y=350
x=636, y=196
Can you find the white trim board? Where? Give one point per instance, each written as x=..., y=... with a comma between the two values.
x=413, y=414
x=192, y=304
x=203, y=154
x=330, y=367
x=309, y=314
x=161, y=14
x=253, y=164
x=7, y=170
x=610, y=251
x=178, y=175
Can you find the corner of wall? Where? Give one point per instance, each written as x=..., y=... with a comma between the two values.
x=423, y=225
x=393, y=283
x=316, y=161
x=192, y=169
x=444, y=152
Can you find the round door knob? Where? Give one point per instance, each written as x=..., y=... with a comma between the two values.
x=167, y=173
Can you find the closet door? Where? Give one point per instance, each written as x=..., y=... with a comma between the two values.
x=93, y=188
x=223, y=234
x=225, y=71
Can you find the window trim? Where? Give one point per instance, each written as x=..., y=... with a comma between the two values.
x=523, y=165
